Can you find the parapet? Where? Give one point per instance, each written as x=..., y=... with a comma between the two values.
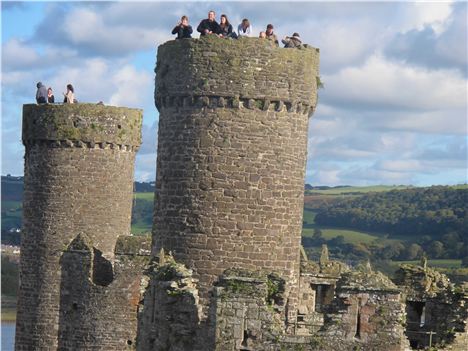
x=82, y=125
x=247, y=68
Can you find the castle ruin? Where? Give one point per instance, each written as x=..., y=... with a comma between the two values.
x=224, y=269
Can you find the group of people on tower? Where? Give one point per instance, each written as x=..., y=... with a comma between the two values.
x=224, y=29
x=46, y=96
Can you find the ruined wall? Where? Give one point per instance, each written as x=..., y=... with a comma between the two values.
x=366, y=314
x=78, y=178
x=101, y=316
x=231, y=155
x=436, y=310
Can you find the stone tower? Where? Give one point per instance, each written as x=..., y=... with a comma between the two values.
x=78, y=179
x=231, y=156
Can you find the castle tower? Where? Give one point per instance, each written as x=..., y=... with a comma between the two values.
x=231, y=156
x=78, y=179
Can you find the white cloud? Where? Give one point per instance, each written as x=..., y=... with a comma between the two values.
x=129, y=85
x=16, y=54
x=417, y=15
x=384, y=84
x=94, y=31
x=375, y=117
x=145, y=165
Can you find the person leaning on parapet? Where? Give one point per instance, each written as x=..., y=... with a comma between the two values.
x=183, y=29
x=209, y=25
x=270, y=35
x=226, y=28
x=292, y=42
x=69, y=96
x=50, y=96
x=41, y=93
x=244, y=29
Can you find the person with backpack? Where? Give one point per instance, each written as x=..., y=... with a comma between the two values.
x=41, y=93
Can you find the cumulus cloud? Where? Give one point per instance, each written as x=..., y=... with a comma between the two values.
x=92, y=30
x=379, y=83
x=393, y=109
x=145, y=167
x=434, y=48
x=417, y=15
x=17, y=54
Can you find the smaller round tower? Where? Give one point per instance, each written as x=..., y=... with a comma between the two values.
x=78, y=181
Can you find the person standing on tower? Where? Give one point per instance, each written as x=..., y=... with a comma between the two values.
x=183, y=29
x=50, y=96
x=41, y=93
x=209, y=25
x=69, y=96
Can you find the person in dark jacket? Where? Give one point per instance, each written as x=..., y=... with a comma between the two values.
x=50, y=96
x=41, y=93
x=183, y=29
x=226, y=28
x=292, y=42
x=209, y=25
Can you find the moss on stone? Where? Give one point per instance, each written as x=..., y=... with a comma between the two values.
x=80, y=243
x=82, y=122
x=275, y=289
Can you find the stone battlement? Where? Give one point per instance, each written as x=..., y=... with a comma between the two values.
x=82, y=125
x=247, y=68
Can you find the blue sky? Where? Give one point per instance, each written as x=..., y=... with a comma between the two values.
x=394, y=107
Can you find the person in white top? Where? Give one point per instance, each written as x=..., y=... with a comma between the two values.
x=245, y=29
x=69, y=96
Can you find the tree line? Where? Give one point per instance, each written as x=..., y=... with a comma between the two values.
x=432, y=220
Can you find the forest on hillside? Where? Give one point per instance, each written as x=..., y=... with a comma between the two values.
x=434, y=220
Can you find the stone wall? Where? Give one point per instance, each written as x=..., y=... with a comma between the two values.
x=78, y=178
x=436, y=310
x=231, y=155
x=366, y=314
x=99, y=306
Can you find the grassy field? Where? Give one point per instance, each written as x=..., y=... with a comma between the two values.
x=350, y=236
x=8, y=308
x=354, y=189
x=141, y=228
x=144, y=196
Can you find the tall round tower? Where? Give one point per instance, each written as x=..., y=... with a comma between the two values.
x=78, y=180
x=232, y=154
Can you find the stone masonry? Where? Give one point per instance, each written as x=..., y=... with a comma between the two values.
x=78, y=180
